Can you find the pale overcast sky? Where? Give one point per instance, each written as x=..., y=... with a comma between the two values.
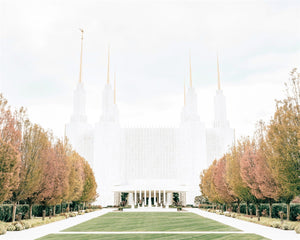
x=258, y=44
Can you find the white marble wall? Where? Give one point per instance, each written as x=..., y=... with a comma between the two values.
x=135, y=158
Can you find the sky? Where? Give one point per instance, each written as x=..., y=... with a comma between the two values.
x=258, y=43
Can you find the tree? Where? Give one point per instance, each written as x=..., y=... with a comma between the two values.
x=35, y=141
x=233, y=175
x=90, y=186
x=10, y=141
x=265, y=181
x=55, y=181
x=76, y=177
x=219, y=179
x=9, y=168
x=207, y=185
x=249, y=164
x=283, y=134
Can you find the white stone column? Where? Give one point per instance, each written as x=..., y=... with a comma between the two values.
x=154, y=195
x=165, y=197
x=159, y=197
x=169, y=199
x=130, y=200
x=145, y=201
x=135, y=200
x=141, y=199
x=149, y=199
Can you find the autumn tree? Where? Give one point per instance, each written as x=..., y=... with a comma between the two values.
x=90, y=186
x=207, y=186
x=263, y=176
x=249, y=164
x=284, y=155
x=9, y=167
x=55, y=183
x=233, y=175
x=10, y=141
x=76, y=177
x=35, y=142
x=219, y=179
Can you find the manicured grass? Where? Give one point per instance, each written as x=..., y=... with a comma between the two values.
x=150, y=221
x=229, y=236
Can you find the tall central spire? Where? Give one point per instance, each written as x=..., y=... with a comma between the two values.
x=184, y=91
x=80, y=71
x=114, y=87
x=108, y=64
x=219, y=83
x=191, y=84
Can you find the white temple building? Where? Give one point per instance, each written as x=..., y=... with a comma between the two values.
x=148, y=163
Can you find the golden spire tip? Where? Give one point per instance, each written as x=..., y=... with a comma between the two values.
x=191, y=83
x=80, y=71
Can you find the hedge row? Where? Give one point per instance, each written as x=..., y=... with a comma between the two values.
x=276, y=208
x=37, y=210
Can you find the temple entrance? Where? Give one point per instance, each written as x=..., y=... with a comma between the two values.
x=150, y=198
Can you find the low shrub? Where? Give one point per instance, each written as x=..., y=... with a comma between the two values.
x=72, y=214
x=11, y=227
x=276, y=225
x=285, y=226
x=26, y=224
x=227, y=214
x=19, y=227
x=81, y=212
x=2, y=229
x=297, y=228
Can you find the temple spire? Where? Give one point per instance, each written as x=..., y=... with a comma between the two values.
x=114, y=87
x=191, y=84
x=219, y=83
x=108, y=60
x=184, y=91
x=80, y=71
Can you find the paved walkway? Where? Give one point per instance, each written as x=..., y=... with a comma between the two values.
x=246, y=227
x=55, y=227
x=268, y=232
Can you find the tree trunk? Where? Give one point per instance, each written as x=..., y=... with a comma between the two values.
x=246, y=208
x=256, y=210
x=61, y=205
x=270, y=208
x=14, y=211
x=30, y=210
x=288, y=210
x=238, y=208
x=68, y=207
x=54, y=207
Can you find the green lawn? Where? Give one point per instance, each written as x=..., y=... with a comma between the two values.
x=229, y=236
x=150, y=221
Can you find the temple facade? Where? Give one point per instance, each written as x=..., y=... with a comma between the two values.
x=148, y=163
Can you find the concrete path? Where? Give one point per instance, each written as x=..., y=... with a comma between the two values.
x=55, y=227
x=267, y=232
